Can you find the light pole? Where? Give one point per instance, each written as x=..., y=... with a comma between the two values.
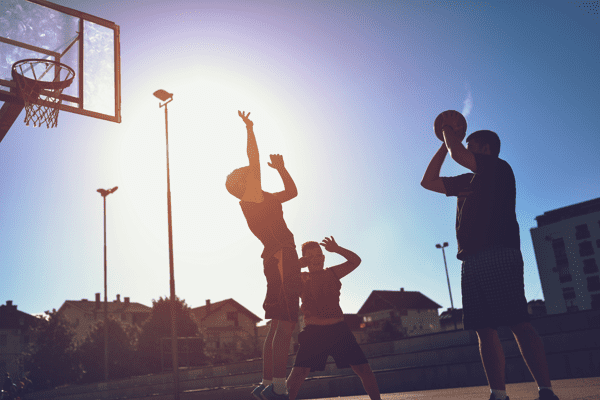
x=439, y=246
x=104, y=193
x=167, y=98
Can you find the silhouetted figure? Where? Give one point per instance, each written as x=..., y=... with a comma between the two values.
x=325, y=332
x=489, y=246
x=264, y=214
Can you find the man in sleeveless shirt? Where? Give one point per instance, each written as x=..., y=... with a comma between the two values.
x=325, y=332
x=489, y=247
x=264, y=215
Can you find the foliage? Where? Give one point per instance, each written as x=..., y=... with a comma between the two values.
x=122, y=338
x=51, y=361
x=158, y=326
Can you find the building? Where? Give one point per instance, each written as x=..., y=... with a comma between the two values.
x=567, y=247
x=451, y=319
x=399, y=313
x=229, y=330
x=536, y=308
x=84, y=314
x=14, y=339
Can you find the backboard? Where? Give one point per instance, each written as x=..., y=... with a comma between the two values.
x=86, y=43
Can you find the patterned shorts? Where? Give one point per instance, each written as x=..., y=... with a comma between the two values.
x=283, y=286
x=493, y=291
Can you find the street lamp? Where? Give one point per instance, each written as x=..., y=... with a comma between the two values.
x=439, y=246
x=104, y=193
x=167, y=97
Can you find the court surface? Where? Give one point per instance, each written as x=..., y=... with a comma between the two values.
x=566, y=389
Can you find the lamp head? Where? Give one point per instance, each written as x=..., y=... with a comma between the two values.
x=438, y=246
x=163, y=95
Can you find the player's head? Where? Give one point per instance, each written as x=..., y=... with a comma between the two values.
x=236, y=182
x=484, y=142
x=316, y=258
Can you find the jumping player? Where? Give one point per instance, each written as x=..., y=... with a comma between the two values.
x=326, y=333
x=264, y=215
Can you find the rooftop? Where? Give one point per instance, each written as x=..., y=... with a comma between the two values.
x=380, y=300
x=574, y=210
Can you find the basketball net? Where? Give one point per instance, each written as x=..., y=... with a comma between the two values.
x=41, y=98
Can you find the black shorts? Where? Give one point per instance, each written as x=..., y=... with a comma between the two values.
x=317, y=342
x=283, y=286
x=493, y=290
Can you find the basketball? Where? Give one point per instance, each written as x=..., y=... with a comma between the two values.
x=452, y=118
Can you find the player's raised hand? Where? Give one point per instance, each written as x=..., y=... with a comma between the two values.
x=330, y=245
x=276, y=161
x=245, y=116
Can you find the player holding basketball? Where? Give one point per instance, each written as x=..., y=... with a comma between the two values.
x=489, y=247
x=326, y=333
x=264, y=214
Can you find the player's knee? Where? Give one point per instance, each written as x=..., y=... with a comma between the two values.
x=486, y=334
x=362, y=369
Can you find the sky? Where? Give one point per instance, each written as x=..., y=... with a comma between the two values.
x=347, y=92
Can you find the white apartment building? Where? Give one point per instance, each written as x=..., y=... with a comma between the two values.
x=567, y=249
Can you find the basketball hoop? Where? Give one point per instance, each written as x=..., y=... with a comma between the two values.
x=40, y=83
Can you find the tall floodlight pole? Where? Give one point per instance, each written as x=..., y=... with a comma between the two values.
x=439, y=246
x=104, y=193
x=167, y=98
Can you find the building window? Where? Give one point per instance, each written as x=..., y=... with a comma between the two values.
x=596, y=302
x=568, y=293
x=593, y=283
x=590, y=266
x=586, y=249
x=233, y=316
x=562, y=262
x=582, y=232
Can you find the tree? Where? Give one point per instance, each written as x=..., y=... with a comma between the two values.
x=122, y=338
x=51, y=361
x=158, y=326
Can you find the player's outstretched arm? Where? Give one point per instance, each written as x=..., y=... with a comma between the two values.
x=253, y=182
x=290, y=191
x=431, y=180
x=352, y=260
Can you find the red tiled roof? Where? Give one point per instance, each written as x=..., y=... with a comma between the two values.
x=203, y=312
x=380, y=300
x=113, y=307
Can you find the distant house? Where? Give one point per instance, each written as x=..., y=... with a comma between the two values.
x=229, y=329
x=451, y=319
x=400, y=313
x=14, y=338
x=84, y=314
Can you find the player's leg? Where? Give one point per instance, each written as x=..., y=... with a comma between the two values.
x=492, y=357
x=268, y=352
x=368, y=379
x=281, y=348
x=295, y=380
x=532, y=349
x=311, y=356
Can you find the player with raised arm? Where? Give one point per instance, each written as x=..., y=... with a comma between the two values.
x=264, y=215
x=325, y=332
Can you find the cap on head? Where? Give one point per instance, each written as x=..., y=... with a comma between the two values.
x=484, y=137
x=236, y=182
